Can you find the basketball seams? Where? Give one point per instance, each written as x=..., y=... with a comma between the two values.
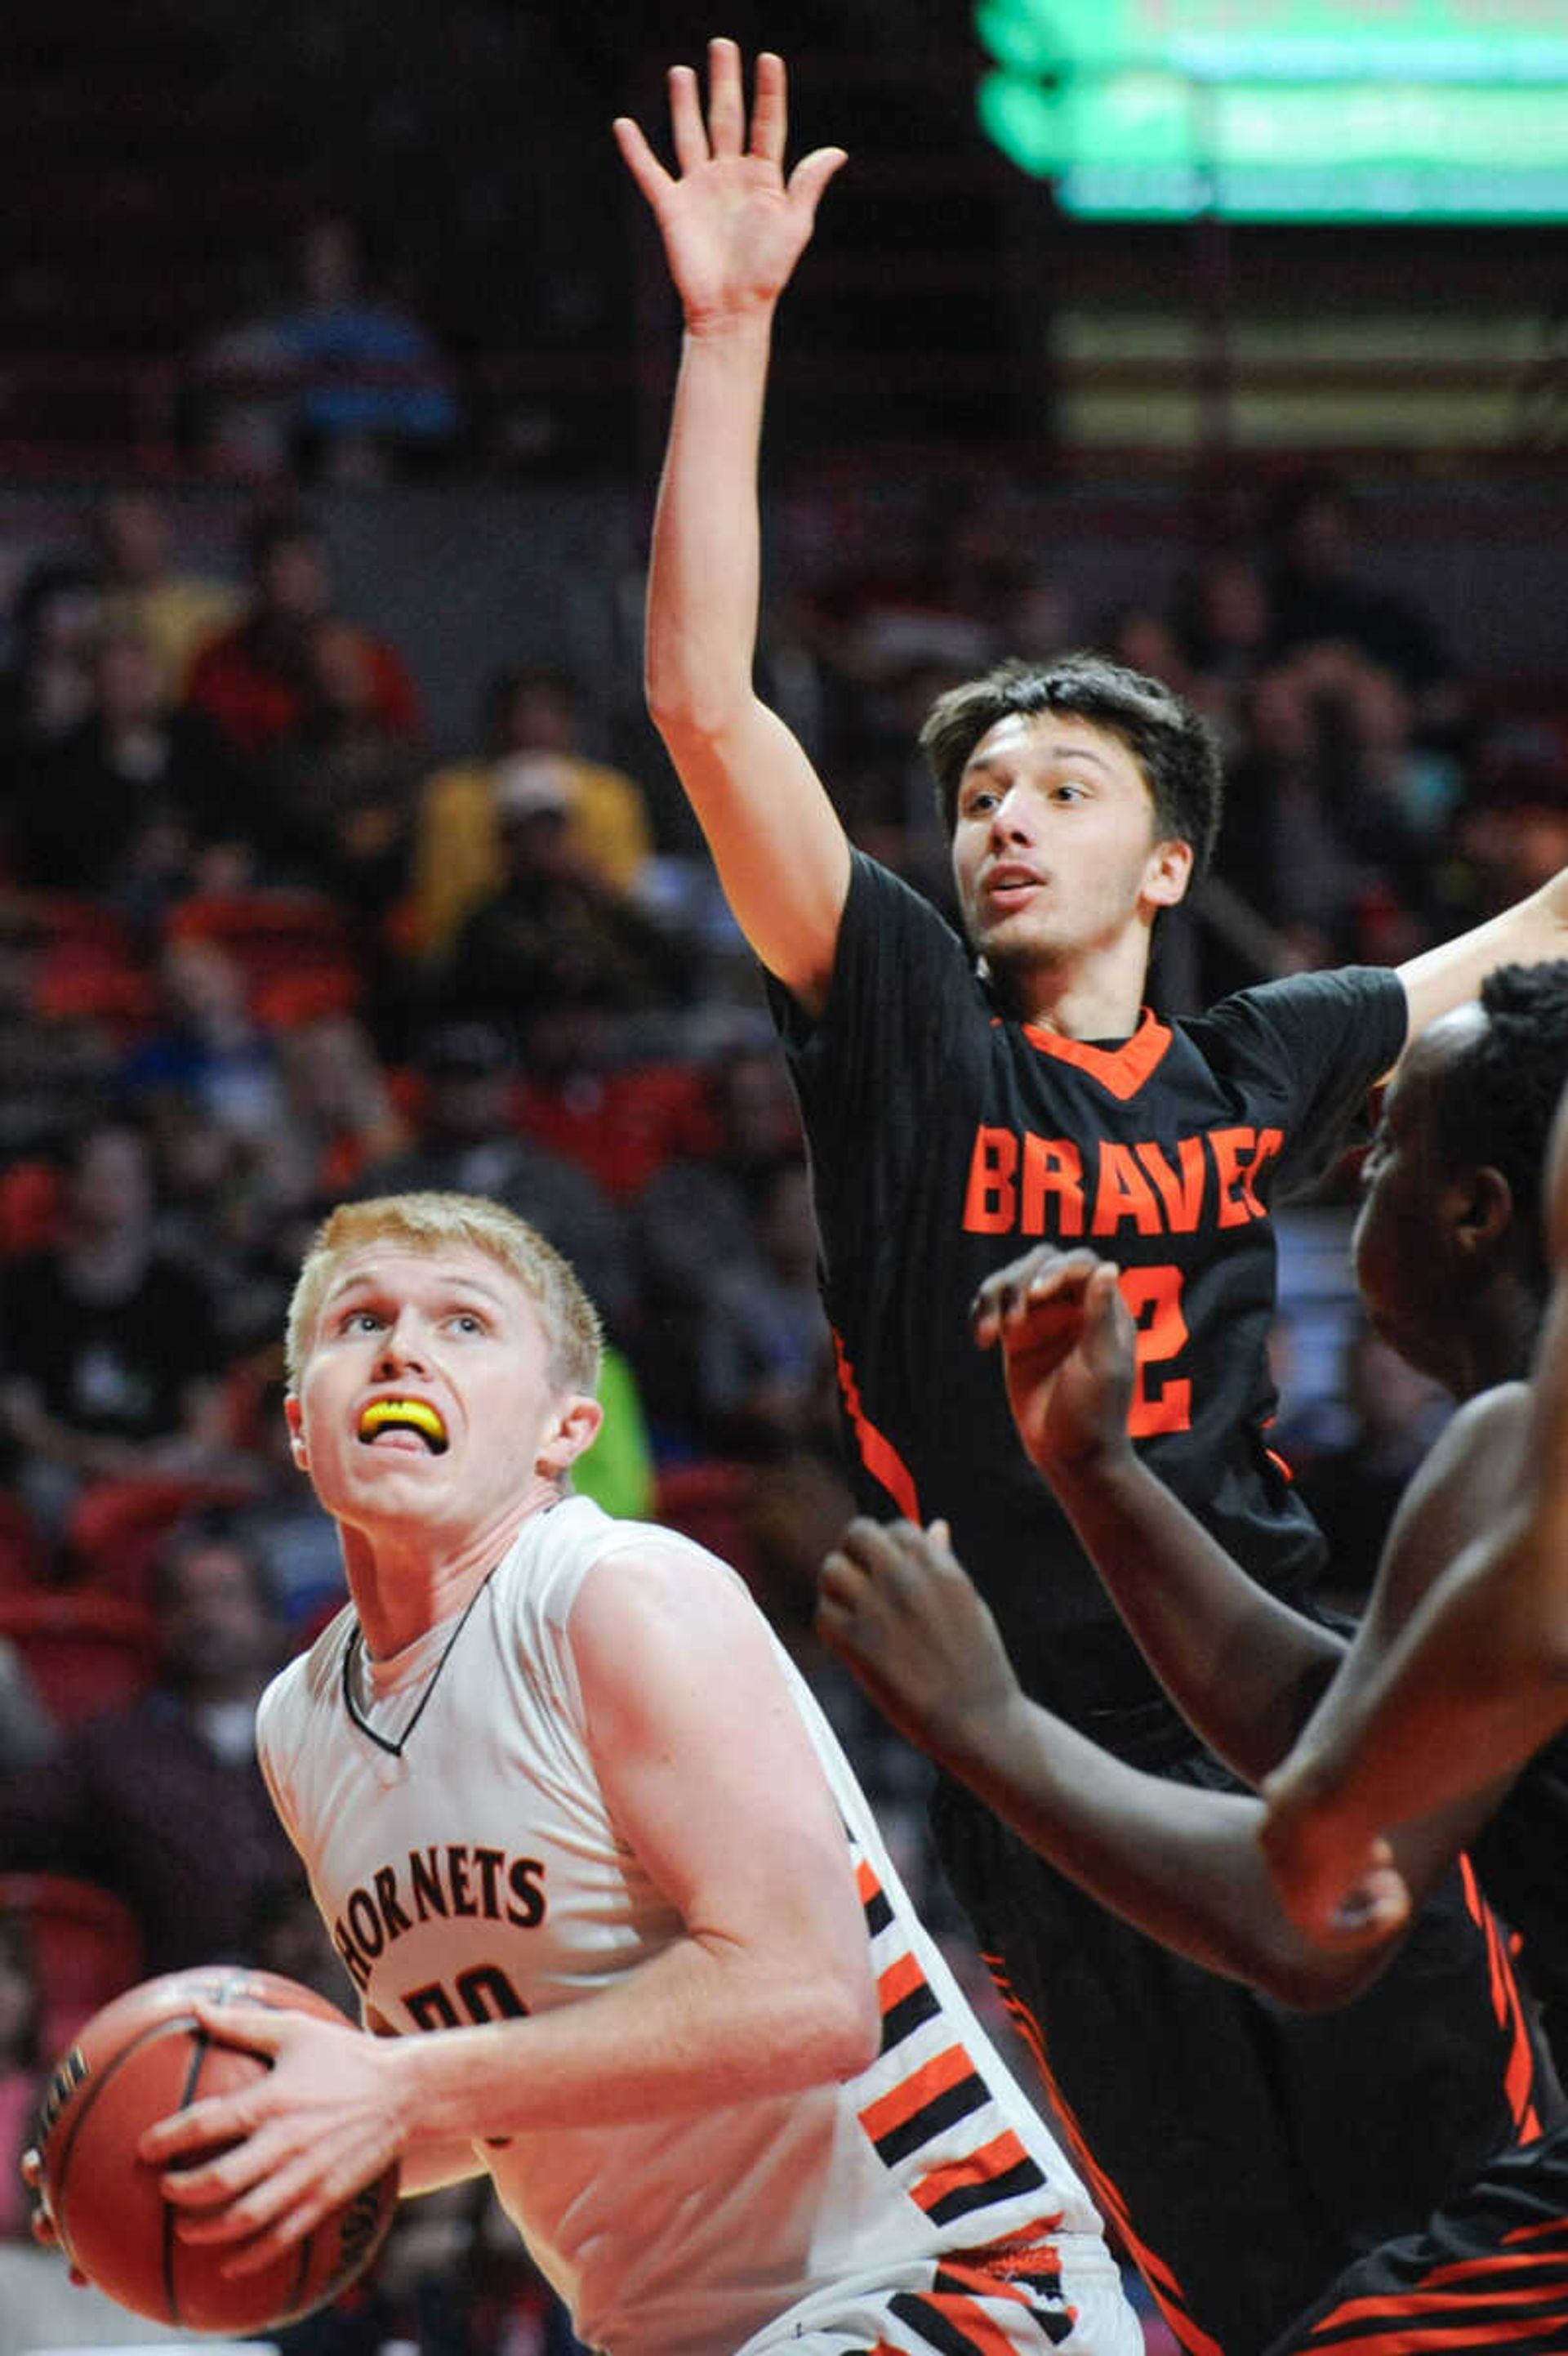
x=57, y=2174
x=168, y=2286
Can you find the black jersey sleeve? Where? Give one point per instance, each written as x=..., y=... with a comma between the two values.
x=869, y=1071
x=1322, y=1042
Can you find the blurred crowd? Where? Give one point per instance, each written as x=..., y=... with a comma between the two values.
x=263, y=946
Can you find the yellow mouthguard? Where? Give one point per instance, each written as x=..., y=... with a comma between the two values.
x=413, y=1412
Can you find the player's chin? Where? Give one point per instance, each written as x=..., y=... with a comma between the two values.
x=1015, y=941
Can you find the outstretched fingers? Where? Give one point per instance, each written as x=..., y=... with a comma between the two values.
x=640, y=160
x=687, y=130
x=770, y=108
x=811, y=175
x=726, y=98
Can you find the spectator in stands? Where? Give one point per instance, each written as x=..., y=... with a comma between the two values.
x=339, y=1115
x=48, y=687
x=372, y=391
x=1314, y=839
x=179, y=611
x=338, y=811
x=554, y=937
x=1319, y=596
x=764, y=1359
x=162, y=1802
x=257, y=680
x=465, y=1143
x=123, y=807
x=458, y=858
x=54, y=1074
x=110, y=1363
x=695, y=1219
x=296, y=1544
x=1223, y=626
x=207, y=1044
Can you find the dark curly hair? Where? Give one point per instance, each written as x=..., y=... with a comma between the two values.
x=1173, y=745
x=1500, y=1094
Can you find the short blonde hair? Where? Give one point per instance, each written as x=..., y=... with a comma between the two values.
x=432, y=1223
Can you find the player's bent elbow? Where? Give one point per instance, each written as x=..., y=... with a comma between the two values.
x=849, y=2028
x=693, y=720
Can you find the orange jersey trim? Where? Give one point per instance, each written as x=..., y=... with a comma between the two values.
x=922, y=2087
x=878, y=1454
x=1121, y=1070
x=983, y=2167
x=1519, y=2078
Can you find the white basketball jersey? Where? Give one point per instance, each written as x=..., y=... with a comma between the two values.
x=463, y=1858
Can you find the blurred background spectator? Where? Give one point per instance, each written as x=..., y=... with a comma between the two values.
x=341, y=383
x=258, y=680
x=162, y=1800
x=111, y=1367
x=529, y=709
x=146, y=588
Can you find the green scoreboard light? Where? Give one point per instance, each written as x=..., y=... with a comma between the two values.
x=1285, y=110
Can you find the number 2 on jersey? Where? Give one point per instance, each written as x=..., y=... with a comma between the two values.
x=1160, y=1402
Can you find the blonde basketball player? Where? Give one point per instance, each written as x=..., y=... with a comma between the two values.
x=568, y=1809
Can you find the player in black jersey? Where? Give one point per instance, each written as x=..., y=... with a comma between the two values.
x=954, y=1113
x=1476, y=1685
x=1467, y=1607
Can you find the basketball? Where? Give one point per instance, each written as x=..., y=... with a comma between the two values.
x=141, y=2058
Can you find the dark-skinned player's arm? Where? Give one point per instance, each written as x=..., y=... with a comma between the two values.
x=733, y=228
x=1183, y=1865
x=1477, y=1679
x=1244, y=1669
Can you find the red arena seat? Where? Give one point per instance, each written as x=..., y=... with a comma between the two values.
x=84, y=1651
x=86, y=1944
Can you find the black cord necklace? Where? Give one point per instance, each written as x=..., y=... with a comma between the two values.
x=356, y=1645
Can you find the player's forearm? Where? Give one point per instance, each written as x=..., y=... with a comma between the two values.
x=1179, y=1864
x=704, y=2023
x=781, y=851
x=705, y=571
x=1475, y=1683
x=1243, y=1669
x=1533, y=930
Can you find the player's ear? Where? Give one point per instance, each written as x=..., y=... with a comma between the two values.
x=1483, y=1209
x=574, y=1427
x=1169, y=872
x=294, y=1418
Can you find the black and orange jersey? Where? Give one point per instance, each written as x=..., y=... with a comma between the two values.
x=945, y=1137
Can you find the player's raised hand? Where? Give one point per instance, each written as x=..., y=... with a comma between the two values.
x=733, y=226
x=1070, y=1350
x=897, y=1606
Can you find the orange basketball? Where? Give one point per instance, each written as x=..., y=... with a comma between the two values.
x=144, y=2056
